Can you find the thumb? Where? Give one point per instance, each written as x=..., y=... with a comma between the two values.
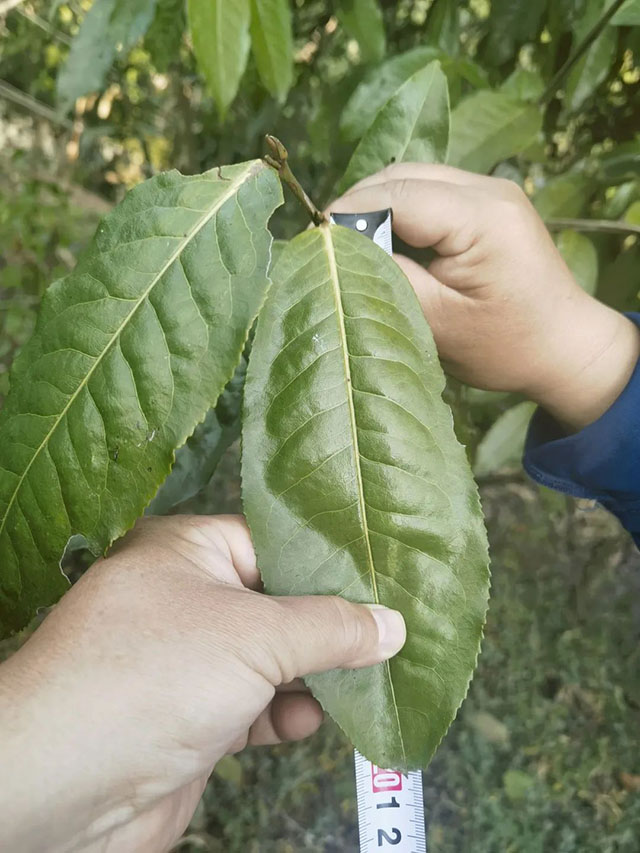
x=319, y=633
x=440, y=303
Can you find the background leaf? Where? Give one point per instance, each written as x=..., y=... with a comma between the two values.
x=378, y=86
x=442, y=26
x=524, y=85
x=164, y=36
x=623, y=162
x=197, y=460
x=502, y=445
x=565, y=195
x=110, y=28
x=581, y=257
x=362, y=19
x=487, y=127
x=220, y=35
x=412, y=126
x=593, y=67
x=130, y=351
x=510, y=25
x=354, y=484
x=628, y=15
x=272, y=44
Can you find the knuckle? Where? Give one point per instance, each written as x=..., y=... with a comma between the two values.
x=402, y=188
x=350, y=629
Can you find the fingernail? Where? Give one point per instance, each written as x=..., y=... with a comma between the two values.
x=392, y=631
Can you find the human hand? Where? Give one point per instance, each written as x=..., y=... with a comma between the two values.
x=160, y=660
x=505, y=311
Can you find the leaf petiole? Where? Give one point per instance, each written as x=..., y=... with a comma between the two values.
x=279, y=160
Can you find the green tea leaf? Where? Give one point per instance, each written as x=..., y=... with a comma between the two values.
x=620, y=199
x=565, y=195
x=164, y=36
x=412, y=126
x=503, y=444
x=628, y=15
x=487, y=127
x=378, y=86
x=354, y=484
x=443, y=27
x=632, y=213
x=220, y=35
x=272, y=44
x=524, y=84
x=362, y=19
x=129, y=353
x=622, y=163
x=510, y=25
x=109, y=29
x=581, y=257
x=593, y=67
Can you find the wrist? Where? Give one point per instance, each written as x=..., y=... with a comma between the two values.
x=58, y=794
x=595, y=355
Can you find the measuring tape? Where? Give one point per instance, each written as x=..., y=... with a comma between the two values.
x=390, y=803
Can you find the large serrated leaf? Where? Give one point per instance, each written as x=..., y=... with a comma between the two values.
x=110, y=28
x=220, y=35
x=130, y=351
x=272, y=44
x=487, y=127
x=412, y=126
x=354, y=484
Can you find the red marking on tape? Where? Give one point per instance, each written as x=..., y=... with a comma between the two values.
x=385, y=780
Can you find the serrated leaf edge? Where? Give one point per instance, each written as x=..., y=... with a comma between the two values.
x=252, y=168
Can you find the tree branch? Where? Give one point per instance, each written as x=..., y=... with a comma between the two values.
x=45, y=25
x=279, y=160
x=22, y=99
x=580, y=50
x=605, y=226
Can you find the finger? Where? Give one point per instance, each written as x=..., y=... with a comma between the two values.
x=290, y=716
x=230, y=534
x=425, y=213
x=420, y=172
x=317, y=633
x=438, y=302
x=235, y=530
x=295, y=686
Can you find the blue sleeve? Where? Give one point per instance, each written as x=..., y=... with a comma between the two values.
x=601, y=462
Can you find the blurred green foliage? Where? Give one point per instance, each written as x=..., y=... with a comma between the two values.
x=545, y=753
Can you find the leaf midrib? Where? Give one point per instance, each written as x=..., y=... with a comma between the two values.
x=235, y=184
x=337, y=294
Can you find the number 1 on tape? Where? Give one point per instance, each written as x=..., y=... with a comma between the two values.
x=390, y=803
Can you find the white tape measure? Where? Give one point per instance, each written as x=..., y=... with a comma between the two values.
x=390, y=809
x=390, y=803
